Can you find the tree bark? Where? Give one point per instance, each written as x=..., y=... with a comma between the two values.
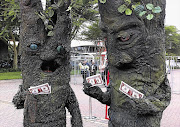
x=136, y=56
x=45, y=63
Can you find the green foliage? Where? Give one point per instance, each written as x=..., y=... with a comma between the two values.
x=122, y=8
x=138, y=8
x=150, y=16
x=9, y=11
x=82, y=12
x=9, y=25
x=128, y=11
x=172, y=40
x=149, y=6
x=93, y=32
x=50, y=33
x=156, y=9
x=150, y=9
x=142, y=13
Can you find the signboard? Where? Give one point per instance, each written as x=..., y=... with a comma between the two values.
x=41, y=89
x=129, y=91
x=95, y=80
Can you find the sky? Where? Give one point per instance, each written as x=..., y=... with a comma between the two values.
x=172, y=13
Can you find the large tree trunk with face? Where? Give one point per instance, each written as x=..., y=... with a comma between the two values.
x=46, y=60
x=136, y=56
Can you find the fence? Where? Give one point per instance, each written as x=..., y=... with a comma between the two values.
x=173, y=63
x=75, y=60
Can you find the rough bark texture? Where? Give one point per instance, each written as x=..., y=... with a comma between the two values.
x=135, y=48
x=46, y=65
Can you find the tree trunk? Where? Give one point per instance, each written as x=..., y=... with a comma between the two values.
x=136, y=56
x=46, y=60
x=15, y=59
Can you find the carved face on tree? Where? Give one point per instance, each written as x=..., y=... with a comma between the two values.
x=135, y=48
x=45, y=59
x=134, y=44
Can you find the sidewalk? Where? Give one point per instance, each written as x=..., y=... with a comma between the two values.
x=11, y=117
x=171, y=115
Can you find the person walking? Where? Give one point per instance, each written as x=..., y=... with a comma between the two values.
x=84, y=70
x=93, y=68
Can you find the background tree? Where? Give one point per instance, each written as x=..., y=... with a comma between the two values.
x=172, y=41
x=9, y=26
x=82, y=11
x=93, y=32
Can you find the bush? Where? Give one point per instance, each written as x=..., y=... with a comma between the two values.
x=9, y=70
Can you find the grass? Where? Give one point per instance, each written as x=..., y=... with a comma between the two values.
x=10, y=75
x=17, y=75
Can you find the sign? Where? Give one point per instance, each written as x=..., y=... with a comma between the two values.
x=41, y=89
x=129, y=91
x=95, y=80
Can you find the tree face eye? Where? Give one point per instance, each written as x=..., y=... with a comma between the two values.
x=33, y=47
x=60, y=49
x=123, y=39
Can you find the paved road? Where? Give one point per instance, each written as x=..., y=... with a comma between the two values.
x=11, y=117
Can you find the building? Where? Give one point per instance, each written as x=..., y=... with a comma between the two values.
x=87, y=50
x=90, y=47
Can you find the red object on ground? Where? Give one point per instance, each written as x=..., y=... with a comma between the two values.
x=106, y=113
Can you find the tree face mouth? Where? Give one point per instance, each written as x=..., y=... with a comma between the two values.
x=49, y=66
x=125, y=67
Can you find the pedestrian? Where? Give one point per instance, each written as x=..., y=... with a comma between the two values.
x=84, y=70
x=93, y=68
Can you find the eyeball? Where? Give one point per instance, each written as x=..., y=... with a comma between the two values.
x=33, y=47
x=124, y=37
x=59, y=48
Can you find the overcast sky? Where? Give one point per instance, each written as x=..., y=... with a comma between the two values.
x=172, y=13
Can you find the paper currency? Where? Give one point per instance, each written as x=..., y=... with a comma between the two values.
x=95, y=80
x=41, y=89
x=129, y=91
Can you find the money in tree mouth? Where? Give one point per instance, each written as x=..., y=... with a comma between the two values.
x=49, y=66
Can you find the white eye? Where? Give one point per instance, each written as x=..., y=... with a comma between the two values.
x=33, y=47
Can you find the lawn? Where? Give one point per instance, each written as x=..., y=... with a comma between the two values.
x=17, y=75
x=10, y=75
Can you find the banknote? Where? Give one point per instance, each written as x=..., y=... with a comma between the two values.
x=40, y=89
x=95, y=80
x=130, y=91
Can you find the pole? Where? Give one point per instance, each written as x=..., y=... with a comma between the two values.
x=90, y=108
